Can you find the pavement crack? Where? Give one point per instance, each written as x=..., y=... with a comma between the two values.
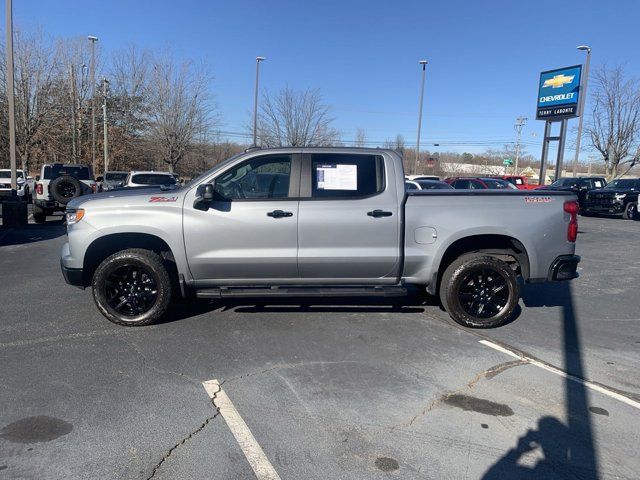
x=485, y=374
x=166, y=456
x=148, y=364
x=280, y=366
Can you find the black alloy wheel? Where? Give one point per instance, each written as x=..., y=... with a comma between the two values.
x=131, y=290
x=483, y=293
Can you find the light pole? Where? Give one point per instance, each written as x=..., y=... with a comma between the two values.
x=255, y=103
x=92, y=74
x=583, y=96
x=10, y=96
x=424, y=72
x=105, y=82
x=520, y=121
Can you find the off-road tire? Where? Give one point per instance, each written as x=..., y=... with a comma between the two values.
x=144, y=260
x=71, y=185
x=39, y=214
x=454, y=287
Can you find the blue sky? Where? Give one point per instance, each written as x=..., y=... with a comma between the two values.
x=484, y=56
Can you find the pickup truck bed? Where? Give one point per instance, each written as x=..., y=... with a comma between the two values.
x=320, y=221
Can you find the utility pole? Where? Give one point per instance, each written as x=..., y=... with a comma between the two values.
x=72, y=79
x=583, y=97
x=105, y=82
x=10, y=96
x=424, y=72
x=520, y=121
x=92, y=75
x=255, y=103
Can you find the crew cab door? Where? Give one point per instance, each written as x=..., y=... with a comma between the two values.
x=249, y=232
x=349, y=220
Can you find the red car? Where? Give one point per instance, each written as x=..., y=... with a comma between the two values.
x=519, y=181
x=481, y=183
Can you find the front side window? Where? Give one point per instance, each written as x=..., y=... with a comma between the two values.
x=260, y=178
x=346, y=175
x=461, y=184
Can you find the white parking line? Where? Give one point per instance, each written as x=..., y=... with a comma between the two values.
x=254, y=453
x=550, y=368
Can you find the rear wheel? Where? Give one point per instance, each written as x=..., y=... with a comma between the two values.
x=631, y=211
x=39, y=214
x=132, y=287
x=479, y=291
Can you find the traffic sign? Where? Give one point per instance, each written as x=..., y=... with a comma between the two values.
x=507, y=161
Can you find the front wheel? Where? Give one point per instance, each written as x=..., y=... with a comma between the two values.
x=132, y=287
x=479, y=291
x=631, y=211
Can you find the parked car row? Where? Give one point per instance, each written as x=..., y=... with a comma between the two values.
x=25, y=184
x=59, y=183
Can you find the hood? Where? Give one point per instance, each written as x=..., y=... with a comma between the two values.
x=127, y=197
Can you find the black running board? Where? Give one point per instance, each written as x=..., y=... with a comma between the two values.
x=378, y=291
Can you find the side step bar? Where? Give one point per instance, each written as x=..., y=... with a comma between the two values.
x=377, y=291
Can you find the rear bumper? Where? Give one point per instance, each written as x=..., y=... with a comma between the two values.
x=564, y=267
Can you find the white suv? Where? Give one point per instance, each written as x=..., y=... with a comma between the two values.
x=25, y=185
x=150, y=179
x=57, y=185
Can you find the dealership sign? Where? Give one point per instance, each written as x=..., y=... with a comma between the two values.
x=558, y=93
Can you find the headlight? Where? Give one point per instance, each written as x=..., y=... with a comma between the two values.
x=620, y=196
x=74, y=215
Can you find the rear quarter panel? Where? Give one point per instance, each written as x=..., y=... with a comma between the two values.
x=538, y=221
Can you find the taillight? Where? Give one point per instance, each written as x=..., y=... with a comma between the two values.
x=572, y=230
x=39, y=188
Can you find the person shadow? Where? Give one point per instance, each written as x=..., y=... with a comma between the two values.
x=568, y=449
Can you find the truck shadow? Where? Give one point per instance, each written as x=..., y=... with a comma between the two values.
x=568, y=448
x=32, y=233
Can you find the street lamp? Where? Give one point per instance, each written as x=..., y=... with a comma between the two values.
x=105, y=83
x=10, y=96
x=255, y=103
x=583, y=96
x=424, y=68
x=93, y=41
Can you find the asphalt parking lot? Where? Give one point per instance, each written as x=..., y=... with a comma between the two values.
x=346, y=390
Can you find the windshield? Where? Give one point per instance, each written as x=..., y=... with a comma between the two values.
x=7, y=174
x=199, y=178
x=493, y=183
x=116, y=176
x=565, y=182
x=624, y=184
x=77, y=171
x=153, y=179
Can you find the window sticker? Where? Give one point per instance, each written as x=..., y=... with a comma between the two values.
x=598, y=184
x=337, y=177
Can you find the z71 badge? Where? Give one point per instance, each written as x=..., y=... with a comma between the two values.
x=162, y=199
x=537, y=199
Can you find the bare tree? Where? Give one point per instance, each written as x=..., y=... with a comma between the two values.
x=361, y=137
x=34, y=82
x=179, y=107
x=614, y=126
x=295, y=118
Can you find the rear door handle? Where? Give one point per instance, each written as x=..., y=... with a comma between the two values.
x=279, y=214
x=379, y=213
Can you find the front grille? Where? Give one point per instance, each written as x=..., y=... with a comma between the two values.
x=601, y=200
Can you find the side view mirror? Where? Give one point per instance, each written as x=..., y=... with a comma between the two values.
x=37, y=178
x=204, y=196
x=99, y=179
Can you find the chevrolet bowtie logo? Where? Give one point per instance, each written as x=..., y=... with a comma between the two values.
x=558, y=81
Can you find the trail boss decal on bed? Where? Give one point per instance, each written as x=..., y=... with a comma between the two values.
x=163, y=199
x=538, y=200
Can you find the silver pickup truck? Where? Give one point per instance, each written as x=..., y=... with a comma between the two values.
x=316, y=222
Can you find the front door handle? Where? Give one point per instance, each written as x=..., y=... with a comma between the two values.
x=279, y=214
x=379, y=213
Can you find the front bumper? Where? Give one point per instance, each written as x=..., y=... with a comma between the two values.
x=564, y=267
x=73, y=276
x=611, y=207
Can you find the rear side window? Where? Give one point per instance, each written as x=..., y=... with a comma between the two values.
x=51, y=172
x=346, y=175
x=461, y=184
